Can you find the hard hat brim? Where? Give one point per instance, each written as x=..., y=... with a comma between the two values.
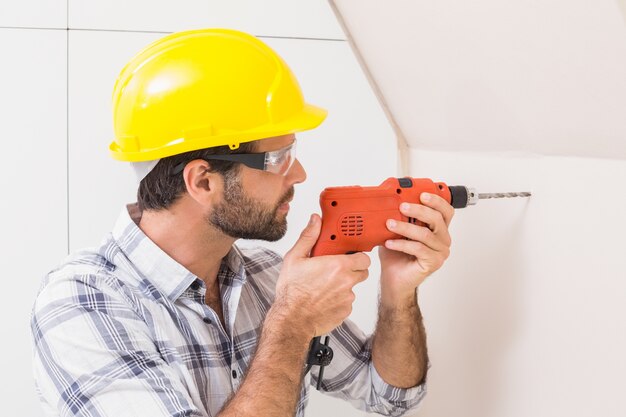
x=308, y=118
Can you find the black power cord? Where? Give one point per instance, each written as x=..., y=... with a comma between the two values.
x=319, y=355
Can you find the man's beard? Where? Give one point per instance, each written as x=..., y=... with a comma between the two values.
x=241, y=217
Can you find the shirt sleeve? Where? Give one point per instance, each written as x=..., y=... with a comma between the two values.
x=94, y=356
x=353, y=377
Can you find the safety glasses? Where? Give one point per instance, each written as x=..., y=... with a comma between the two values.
x=277, y=162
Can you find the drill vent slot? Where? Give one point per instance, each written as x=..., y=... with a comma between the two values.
x=412, y=220
x=352, y=225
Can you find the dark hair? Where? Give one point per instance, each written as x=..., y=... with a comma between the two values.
x=160, y=188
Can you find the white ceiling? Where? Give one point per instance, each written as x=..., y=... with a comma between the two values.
x=540, y=76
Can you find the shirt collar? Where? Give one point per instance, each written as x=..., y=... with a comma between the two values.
x=235, y=262
x=156, y=266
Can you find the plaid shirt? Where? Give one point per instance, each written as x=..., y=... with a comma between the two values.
x=123, y=330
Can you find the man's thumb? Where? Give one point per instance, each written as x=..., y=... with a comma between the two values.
x=307, y=238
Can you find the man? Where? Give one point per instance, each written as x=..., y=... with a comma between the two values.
x=168, y=317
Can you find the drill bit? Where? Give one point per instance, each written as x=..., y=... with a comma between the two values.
x=502, y=195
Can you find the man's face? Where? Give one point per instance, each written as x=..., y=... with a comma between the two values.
x=260, y=214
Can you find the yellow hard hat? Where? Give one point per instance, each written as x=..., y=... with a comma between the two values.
x=205, y=88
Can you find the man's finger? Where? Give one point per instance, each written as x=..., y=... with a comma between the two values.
x=359, y=261
x=432, y=217
x=440, y=204
x=420, y=234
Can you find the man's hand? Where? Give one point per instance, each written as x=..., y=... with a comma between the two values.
x=313, y=296
x=317, y=292
x=405, y=264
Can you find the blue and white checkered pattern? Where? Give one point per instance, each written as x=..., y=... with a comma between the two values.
x=123, y=330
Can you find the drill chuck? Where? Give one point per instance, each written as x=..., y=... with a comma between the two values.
x=462, y=196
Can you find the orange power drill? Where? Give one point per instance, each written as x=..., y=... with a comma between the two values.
x=354, y=220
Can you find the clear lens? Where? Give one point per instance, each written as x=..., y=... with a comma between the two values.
x=279, y=161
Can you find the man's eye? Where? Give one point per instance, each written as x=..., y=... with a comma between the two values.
x=275, y=159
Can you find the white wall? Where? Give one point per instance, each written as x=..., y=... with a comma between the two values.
x=527, y=317
x=490, y=75
x=62, y=190
x=33, y=208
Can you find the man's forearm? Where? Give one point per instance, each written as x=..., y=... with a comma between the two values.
x=272, y=384
x=399, y=347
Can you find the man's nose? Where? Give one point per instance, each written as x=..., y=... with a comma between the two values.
x=296, y=174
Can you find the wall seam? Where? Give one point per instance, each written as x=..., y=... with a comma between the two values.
x=302, y=38
x=30, y=28
x=305, y=38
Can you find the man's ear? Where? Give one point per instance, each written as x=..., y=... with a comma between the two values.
x=203, y=186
